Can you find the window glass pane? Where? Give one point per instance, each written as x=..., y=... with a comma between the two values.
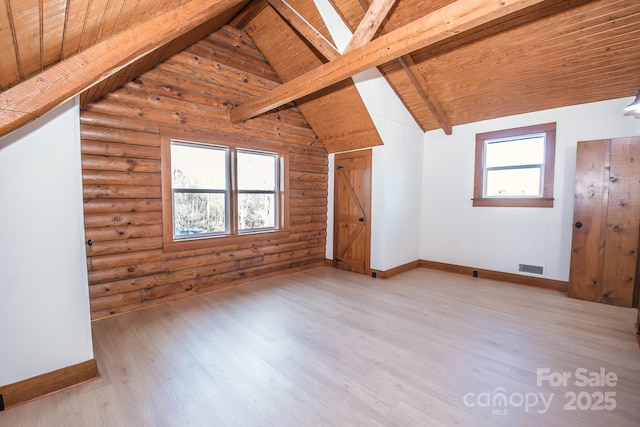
x=526, y=151
x=199, y=213
x=198, y=167
x=256, y=171
x=513, y=182
x=256, y=211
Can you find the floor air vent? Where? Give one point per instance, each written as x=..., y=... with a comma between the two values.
x=535, y=269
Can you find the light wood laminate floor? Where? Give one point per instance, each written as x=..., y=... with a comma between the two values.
x=330, y=348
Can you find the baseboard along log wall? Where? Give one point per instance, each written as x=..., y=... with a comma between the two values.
x=192, y=92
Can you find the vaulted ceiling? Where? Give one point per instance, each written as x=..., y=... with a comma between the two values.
x=450, y=62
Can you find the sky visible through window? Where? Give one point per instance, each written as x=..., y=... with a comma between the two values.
x=197, y=167
x=201, y=190
x=513, y=167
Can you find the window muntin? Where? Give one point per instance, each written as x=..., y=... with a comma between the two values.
x=514, y=167
x=242, y=198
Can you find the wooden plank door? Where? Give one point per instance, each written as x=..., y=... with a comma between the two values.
x=352, y=211
x=623, y=223
x=589, y=219
x=604, y=258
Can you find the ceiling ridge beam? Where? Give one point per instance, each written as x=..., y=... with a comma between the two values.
x=50, y=88
x=368, y=27
x=301, y=25
x=459, y=16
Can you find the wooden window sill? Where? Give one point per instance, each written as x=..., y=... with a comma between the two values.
x=214, y=241
x=514, y=202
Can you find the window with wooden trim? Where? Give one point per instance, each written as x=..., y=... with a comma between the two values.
x=514, y=167
x=216, y=192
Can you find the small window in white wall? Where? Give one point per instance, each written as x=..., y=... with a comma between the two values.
x=514, y=167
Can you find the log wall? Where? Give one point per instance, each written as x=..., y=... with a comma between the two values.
x=192, y=91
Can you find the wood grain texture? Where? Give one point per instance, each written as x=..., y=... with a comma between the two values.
x=69, y=78
x=129, y=267
x=386, y=274
x=422, y=88
x=590, y=210
x=301, y=25
x=48, y=383
x=454, y=18
x=338, y=115
x=539, y=282
x=368, y=27
x=331, y=348
x=604, y=259
x=623, y=224
x=352, y=211
x=44, y=32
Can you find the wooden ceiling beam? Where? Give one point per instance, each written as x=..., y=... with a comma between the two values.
x=248, y=13
x=455, y=18
x=420, y=84
x=34, y=97
x=422, y=87
x=301, y=25
x=373, y=18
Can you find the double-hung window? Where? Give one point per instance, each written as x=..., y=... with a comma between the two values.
x=221, y=193
x=200, y=189
x=514, y=167
x=257, y=190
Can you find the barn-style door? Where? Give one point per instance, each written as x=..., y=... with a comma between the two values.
x=604, y=257
x=352, y=211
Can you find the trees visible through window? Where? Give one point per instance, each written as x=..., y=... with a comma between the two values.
x=200, y=186
x=213, y=191
x=514, y=167
x=257, y=190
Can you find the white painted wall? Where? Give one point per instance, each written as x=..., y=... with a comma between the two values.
x=44, y=297
x=453, y=231
x=396, y=166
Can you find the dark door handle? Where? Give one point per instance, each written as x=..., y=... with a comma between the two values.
x=361, y=219
x=578, y=224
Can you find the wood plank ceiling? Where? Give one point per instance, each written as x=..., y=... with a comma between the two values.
x=38, y=33
x=547, y=54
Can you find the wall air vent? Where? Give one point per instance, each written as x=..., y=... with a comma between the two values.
x=535, y=269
